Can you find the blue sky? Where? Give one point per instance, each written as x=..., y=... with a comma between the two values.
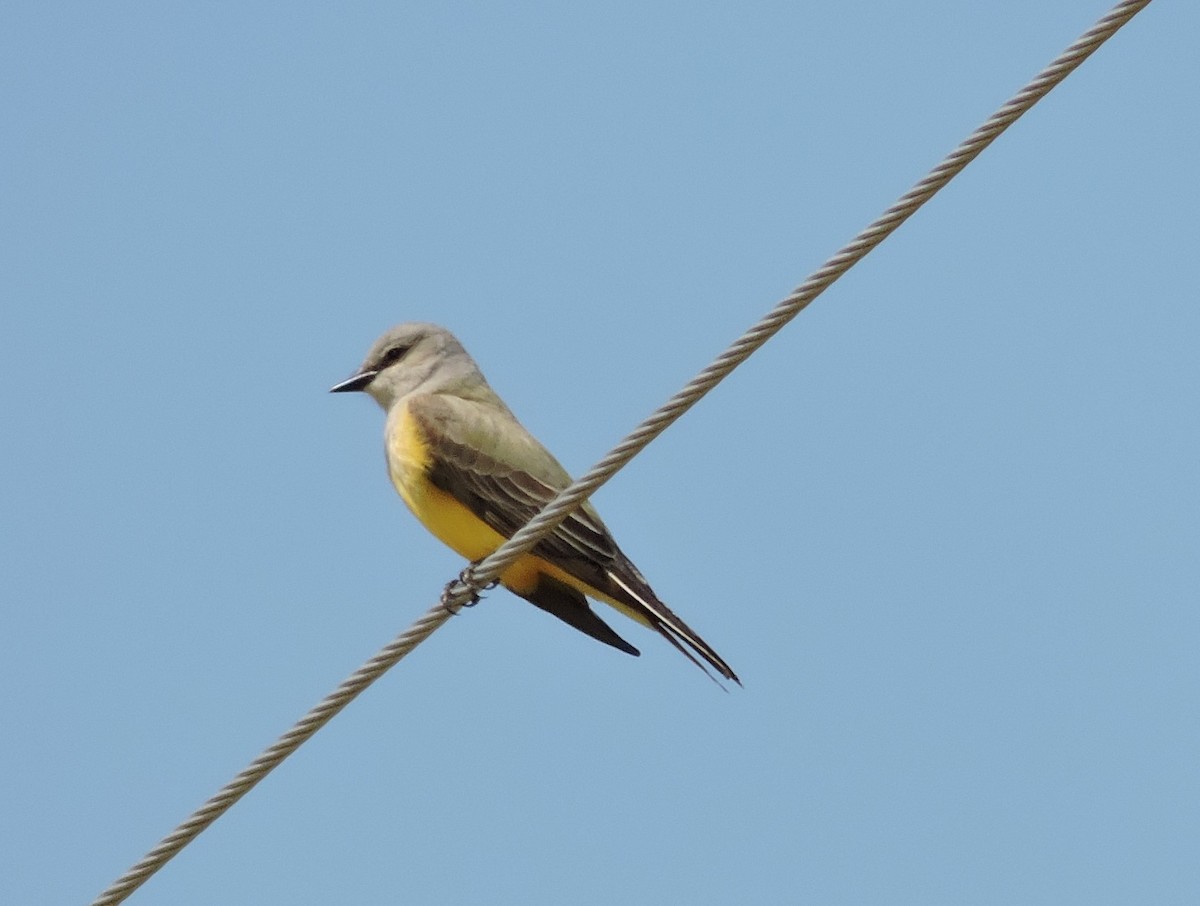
x=944, y=526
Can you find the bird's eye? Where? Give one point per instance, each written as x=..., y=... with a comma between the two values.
x=393, y=354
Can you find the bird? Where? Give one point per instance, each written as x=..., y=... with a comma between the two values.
x=473, y=475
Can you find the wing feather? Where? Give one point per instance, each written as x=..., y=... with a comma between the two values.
x=486, y=460
x=505, y=477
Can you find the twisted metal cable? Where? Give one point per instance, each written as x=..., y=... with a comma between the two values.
x=320, y=715
x=467, y=587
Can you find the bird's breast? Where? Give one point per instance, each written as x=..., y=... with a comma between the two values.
x=410, y=456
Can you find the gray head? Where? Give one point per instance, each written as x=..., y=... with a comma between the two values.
x=411, y=357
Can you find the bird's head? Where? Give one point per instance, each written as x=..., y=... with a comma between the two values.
x=408, y=357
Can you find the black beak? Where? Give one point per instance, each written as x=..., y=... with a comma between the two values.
x=356, y=382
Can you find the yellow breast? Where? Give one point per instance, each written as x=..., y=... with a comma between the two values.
x=410, y=457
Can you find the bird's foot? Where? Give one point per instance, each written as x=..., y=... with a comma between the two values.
x=466, y=581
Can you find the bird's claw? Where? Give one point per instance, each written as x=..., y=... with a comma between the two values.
x=466, y=579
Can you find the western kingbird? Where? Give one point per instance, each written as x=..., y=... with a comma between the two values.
x=473, y=475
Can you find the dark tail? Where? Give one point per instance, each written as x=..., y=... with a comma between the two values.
x=572, y=608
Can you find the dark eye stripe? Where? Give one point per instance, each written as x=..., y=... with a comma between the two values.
x=393, y=355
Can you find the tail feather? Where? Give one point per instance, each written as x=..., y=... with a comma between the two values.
x=572, y=608
x=674, y=630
